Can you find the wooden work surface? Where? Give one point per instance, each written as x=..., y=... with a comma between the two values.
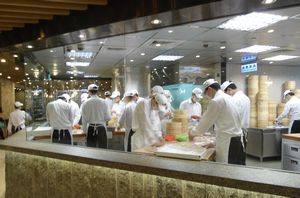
x=294, y=136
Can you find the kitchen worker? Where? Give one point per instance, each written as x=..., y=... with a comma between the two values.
x=192, y=105
x=240, y=99
x=75, y=109
x=157, y=90
x=223, y=114
x=60, y=118
x=95, y=113
x=126, y=119
x=136, y=96
x=169, y=96
x=291, y=108
x=17, y=119
x=146, y=122
x=118, y=106
x=108, y=100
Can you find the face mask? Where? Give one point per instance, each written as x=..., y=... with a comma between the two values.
x=208, y=97
x=195, y=99
x=162, y=108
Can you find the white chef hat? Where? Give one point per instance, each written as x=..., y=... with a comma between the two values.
x=287, y=92
x=161, y=99
x=18, y=104
x=93, y=87
x=84, y=97
x=128, y=93
x=198, y=92
x=226, y=84
x=135, y=92
x=209, y=82
x=115, y=94
x=157, y=90
x=66, y=96
x=107, y=93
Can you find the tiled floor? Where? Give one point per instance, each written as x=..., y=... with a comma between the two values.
x=2, y=174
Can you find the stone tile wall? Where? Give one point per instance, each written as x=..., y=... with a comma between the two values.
x=33, y=176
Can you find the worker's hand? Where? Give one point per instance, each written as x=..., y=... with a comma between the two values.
x=169, y=114
x=195, y=117
x=159, y=143
x=76, y=126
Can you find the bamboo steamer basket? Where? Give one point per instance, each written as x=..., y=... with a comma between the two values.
x=263, y=86
x=253, y=122
x=262, y=113
x=253, y=85
x=252, y=99
x=280, y=108
x=290, y=85
x=272, y=108
x=285, y=122
x=262, y=123
x=262, y=96
x=253, y=111
x=297, y=93
x=174, y=128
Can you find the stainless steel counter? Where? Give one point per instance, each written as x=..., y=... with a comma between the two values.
x=265, y=142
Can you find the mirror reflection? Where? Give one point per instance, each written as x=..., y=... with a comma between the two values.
x=210, y=90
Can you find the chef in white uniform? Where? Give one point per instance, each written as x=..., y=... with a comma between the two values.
x=108, y=100
x=291, y=108
x=126, y=119
x=118, y=106
x=146, y=122
x=75, y=109
x=240, y=99
x=60, y=118
x=95, y=114
x=136, y=96
x=170, y=100
x=223, y=114
x=17, y=119
x=192, y=105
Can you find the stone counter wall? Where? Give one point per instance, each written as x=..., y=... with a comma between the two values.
x=34, y=176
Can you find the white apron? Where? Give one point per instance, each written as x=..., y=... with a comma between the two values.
x=222, y=146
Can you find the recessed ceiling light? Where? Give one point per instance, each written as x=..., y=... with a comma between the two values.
x=29, y=83
x=73, y=51
x=71, y=77
x=15, y=55
x=28, y=78
x=230, y=58
x=25, y=63
x=78, y=64
x=143, y=54
x=79, y=54
x=257, y=48
x=72, y=58
x=280, y=58
x=252, y=21
x=81, y=36
x=101, y=42
x=157, y=44
x=31, y=69
x=222, y=47
x=8, y=77
x=165, y=67
x=154, y=69
x=26, y=74
x=197, y=56
x=156, y=21
x=271, y=62
x=268, y=1
x=131, y=60
x=29, y=46
x=54, y=65
x=166, y=58
x=0, y=74
x=270, y=31
x=51, y=51
x=170, y=31
x=3, y=60
x=17, y=68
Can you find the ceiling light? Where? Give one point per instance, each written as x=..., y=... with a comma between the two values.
x=271, y=62
x=54, y=65
x=280, y=58
x=28, y=78
x=81, y=36
x=270, y=31
x=268, y=1
x=17, y=68
x=230, y=58
x=257, y=48
x=101, y=42
x=252, y=21
x=165, y=67
x=143, y=54
x=0, y=74
x=157, y=44
x=197, y=56
x=15, y=55
x=71, y=77
x=78, y=64
x=73, y=51
x=166, y=58
x=29, y=83
x=29, y=46
x=25, y=63
x=8, y=77
x=154, y=69
x=26, y=74
x=72, y=58
x=3, y=60
x=55, y=72
x=170, y=31
x=79, y=54
x=51, y=51
x=74, y=72
x=90, y=76
x=222, y=47
x=156, y=21
x=131, y=60
x=31, y=69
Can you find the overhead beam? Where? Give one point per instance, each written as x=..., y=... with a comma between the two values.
x=43, y=4
x=30, y=10
x=18, y=20
x=89, y=2
x=25, y=15
x=3, y=24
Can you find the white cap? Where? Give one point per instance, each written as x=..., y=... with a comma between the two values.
x=84, y=97
x=66, y=96
x=93, y=87
x=129, y=93
x=209, y=82
x=115, y=94
x=197, y=92
x=226, y=84
x=287, y=92
x=161, y=99
x=18, y=104
x=157, y=90
x=134, y=92
x=107, y=93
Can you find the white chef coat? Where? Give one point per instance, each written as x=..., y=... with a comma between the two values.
x=59, y=115
x=126, y=120
x=146, y=124
x=109, y=102
x=118, y=108
x=223, y=114
x=243, y=105
x=192, y=108
x=291, y=109
x=75, y=112
x=17, y=119
x=94, y=111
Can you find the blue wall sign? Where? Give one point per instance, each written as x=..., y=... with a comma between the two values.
x=249, y=67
